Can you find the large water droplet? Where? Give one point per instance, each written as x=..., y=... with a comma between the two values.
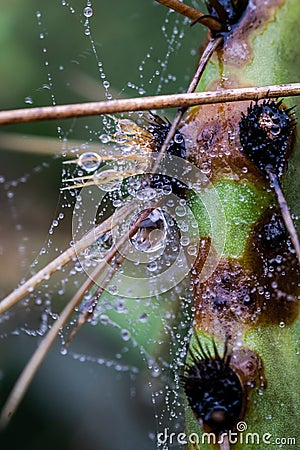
x=152, y=232
x=88, y=11
x=89, y=161
x=105, y=138
x=110, y=180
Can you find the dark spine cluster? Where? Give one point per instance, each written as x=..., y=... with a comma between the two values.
x=159, y=129
x=266, y=135
x=213, y=389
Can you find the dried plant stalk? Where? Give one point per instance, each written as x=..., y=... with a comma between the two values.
x=145, y=103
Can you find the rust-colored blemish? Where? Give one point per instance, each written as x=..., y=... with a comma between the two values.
x=212, y=143
x=237, y=48
x=260, y=289
x=211, y=131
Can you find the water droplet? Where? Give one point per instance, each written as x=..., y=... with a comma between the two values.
x=104, y=319
x=120, y=137
x=120, y=306
x=28, y=100
x=105, y=138
x=155, y=371
x=89, y=161
x=185, y=240
x=152, y=266
x=152, y=232
x=125, y=335
x=88, y=11
x=178, y=138
x=192, y=250
x=117, y=203
x=146, y=193
x=143, y=317
x=281, y=324
x=110, y=180
x=180, y=211
x=113, y=289
x=78, y=267
x=205, y=168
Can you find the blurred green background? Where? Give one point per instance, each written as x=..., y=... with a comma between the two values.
x=47, y=56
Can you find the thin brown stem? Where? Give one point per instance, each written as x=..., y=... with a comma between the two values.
x=90, y=308
x=205, y=57
x=91, y=305
x=210, y=48
x=39, y=355
x=181, y=8
x=285, y=212
x=37, y=358
x=145, y=103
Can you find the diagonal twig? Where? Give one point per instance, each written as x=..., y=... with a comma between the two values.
x=38, y=356
x=209, y=50
x=65, y=257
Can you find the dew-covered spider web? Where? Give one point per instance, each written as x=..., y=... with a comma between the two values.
x=117, y=385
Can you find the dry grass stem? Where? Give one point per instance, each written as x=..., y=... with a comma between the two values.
x=145, y=103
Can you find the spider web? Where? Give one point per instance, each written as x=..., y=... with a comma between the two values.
x=126, y=388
